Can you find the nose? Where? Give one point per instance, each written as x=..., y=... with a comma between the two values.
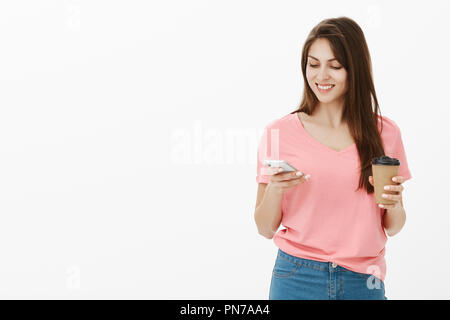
x=323, y=74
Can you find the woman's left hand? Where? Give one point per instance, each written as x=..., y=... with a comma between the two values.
x=397, y=188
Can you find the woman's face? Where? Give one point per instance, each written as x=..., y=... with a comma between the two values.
x=323, y=69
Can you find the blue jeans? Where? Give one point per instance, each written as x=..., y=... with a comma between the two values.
x=295, y=278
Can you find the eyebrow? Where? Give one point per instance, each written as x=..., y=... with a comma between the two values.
x=318, y=59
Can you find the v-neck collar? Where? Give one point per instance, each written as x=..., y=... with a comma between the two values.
x=316, y=142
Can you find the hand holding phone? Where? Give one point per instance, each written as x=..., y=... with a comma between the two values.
x=284, y=176
x=279, y=164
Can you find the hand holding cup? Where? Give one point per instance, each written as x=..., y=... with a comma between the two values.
x=393, y=193
x=385, y=171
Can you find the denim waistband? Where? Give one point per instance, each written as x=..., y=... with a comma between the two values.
x=318, y=265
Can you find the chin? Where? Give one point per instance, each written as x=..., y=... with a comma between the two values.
x=326, y=99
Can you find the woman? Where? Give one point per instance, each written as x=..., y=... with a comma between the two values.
x=333, y=244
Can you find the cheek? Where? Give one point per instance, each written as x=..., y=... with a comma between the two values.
x=341, y=78
x=310, y=72
x=310, y=76
x=342, y=85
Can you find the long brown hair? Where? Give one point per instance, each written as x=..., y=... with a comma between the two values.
x=361, y=108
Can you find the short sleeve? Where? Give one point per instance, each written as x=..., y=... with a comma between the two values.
x=400, y=154
x=262, y=174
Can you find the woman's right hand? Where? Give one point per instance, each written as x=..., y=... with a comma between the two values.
x=281, y=181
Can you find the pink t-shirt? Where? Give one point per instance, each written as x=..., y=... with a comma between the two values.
x=325, y=219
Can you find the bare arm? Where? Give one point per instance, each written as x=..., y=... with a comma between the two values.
x=269, y=201
x=268, y=210
x=394, y=220
x=394, y=216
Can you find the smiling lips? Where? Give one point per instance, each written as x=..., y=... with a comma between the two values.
x=324, y=87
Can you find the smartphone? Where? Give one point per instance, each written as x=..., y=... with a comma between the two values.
x=279, y=164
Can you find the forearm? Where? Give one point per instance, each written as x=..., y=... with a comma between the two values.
x=268, y=213
x=394, y=220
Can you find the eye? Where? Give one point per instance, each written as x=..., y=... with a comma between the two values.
x=316, y=65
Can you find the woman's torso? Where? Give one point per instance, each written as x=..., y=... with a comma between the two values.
x=335, y=138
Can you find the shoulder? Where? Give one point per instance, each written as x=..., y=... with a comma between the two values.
x=390, y=133
x=282, y=122
x=388, y=124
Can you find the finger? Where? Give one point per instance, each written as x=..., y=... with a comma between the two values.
x=284, y=176
x=386, y=206
x=272, y=170
x=398, y=188
x=398, y=179
x=275, y=170
x=303, y=178
x=292, y=183
x=393, y=197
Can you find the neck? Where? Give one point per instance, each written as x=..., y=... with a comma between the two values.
x=330, y=114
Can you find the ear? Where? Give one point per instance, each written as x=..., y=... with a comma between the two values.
x=371, y=180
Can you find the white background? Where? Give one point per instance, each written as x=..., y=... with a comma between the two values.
x=128, y=134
